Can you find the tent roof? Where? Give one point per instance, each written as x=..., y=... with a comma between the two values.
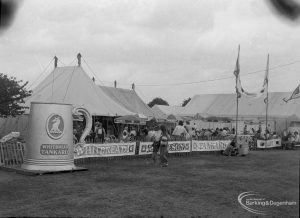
x=72, y=85
x=225, y=105
x=128, y=99
x=131, y=119
x=159, y=113
x=167, y=110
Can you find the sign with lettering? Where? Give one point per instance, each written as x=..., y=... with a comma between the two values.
x=54, y=149
x=271, y=143
x=209, y=145
x=179, y=146
x=104, y=150
x=145, y=148
x=174, y=147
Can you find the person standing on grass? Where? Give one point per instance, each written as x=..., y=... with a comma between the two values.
x=164, y=146
x=156, y=142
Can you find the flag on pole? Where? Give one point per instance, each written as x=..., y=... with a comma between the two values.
x=237, y=66
x=295, y=94
x=264, y=90
x=238, y=86
x=236, y=72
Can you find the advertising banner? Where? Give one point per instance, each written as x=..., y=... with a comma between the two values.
x=145, y=148
x=209, y=145
x=174, y=147
x=271, y=143
x=179, y=146
x=104, y=150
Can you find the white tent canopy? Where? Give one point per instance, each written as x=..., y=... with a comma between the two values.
x=73, y=86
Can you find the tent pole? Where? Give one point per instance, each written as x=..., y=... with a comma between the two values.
x=267, y=104
x=237, y=76
x=236, y=119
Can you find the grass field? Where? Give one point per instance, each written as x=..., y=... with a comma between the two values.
x=204, y=185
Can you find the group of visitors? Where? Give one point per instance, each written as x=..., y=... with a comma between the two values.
x=291, y=137
x=260, y=134
x=213, y=134
x=187, y=132
x=131, y=134
x=96, y=134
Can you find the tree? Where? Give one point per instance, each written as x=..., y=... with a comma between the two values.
x=12, y=94
x=185, y=101
x=158, y=101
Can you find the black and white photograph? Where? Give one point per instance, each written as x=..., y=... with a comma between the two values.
x=149, y=108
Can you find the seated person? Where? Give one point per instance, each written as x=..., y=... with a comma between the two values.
x=288, y=141
x=273, y=135
x=296, y=137
x=125, y=134
x=133, y=134
x=224, y=133
x=207, y=133
x=231, y=149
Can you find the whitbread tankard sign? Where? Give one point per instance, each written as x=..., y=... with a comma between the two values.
x=49, y=146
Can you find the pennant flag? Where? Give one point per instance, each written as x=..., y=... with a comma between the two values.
x=295, y=94
x=236, y=72
x=238, y=86
x=237, y=66
x=264, y=90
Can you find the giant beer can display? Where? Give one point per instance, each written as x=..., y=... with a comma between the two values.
x=49, y=145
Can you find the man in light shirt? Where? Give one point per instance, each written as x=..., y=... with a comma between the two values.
x=156, y=142
x=179, y=131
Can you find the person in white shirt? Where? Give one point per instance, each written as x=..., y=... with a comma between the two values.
x=179, y=131
x=296, y=137
x=224, y=132
x=150, y=135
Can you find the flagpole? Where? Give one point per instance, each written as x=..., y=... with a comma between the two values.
x=267, y=103
x=237, y=100
x=236, y=119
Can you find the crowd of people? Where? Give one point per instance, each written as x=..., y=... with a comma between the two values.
x=289, y=140
x=159, y=135
x=98, y=134
x=181, y=132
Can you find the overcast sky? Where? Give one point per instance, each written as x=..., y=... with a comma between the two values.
x=152, y=42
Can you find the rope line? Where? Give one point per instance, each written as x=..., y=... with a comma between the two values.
x=96, y=88
x=93, y=72
x=196, y=82
x=41, y=74
x=222, y=78
x=69, y=83
x=46, y=85
x=62, y=62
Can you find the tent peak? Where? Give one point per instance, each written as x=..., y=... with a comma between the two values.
x=55, y=61
x=79, y=59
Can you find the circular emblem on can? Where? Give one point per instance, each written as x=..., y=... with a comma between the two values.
x=55, y=126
